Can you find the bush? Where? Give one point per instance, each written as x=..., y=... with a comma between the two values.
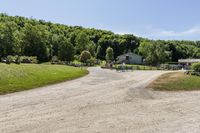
x=165, y=66
x=109, y=54
x=195, y=73
x=91, y=62
x=9, y=59
x=85, y=56
x=18, y=60
x=31, y=59
x=54, y=60
x=196, y=67
x=76, y=57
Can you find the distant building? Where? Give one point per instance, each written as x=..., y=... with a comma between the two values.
x=188, y=61
x=130, y=58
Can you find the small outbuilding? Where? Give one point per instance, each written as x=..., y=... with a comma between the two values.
x=188, y=61
x=130, y=58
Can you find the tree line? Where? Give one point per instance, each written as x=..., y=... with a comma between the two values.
x=31, y=37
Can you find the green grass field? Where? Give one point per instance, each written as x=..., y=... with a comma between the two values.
x=14, y=78
x=176, y=82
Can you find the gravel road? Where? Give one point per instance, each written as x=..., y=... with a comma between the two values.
x=104, y=101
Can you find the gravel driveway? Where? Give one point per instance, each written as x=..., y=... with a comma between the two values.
x=104, y=101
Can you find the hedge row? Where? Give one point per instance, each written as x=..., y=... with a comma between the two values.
x=20, y=59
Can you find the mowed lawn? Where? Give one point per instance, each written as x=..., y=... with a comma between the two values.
x=177, y=81
x=14, y=78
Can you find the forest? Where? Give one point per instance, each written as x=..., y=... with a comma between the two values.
x=20, y=36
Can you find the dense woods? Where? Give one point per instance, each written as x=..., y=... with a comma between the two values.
x=45, y=40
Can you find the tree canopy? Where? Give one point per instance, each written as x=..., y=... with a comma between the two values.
x=109, y=54
x=30, y=37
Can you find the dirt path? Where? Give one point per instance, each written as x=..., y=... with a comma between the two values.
x=102, y=102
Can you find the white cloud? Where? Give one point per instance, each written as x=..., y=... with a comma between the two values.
x=126, y=32
x=157, y=33
x=190, y=32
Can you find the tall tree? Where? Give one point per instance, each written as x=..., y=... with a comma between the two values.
x=99, y=53
x=154, y=52
x=34, y=42
x=109, y=54
x=91, y=48
x=7, y=38
x=82, y=41
x=17, y=48
x=66, y=51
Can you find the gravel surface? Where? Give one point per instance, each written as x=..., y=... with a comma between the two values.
x=104, y=101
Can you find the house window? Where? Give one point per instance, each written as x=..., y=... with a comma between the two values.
x=127, y=58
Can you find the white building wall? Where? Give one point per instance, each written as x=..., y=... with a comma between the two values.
x=133, y=58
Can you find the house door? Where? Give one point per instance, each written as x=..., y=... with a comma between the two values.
x=127, y=58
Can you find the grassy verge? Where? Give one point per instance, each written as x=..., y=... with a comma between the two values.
x=176, y=82
x=14, y=78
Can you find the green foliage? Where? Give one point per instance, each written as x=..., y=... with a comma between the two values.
x=34, y=42
x=21, y=59
x=30, y=37
x=91, y=48
x=109, y=54
x=7, y=40
x=137, y=67
x=196, y=67
x=66, y=51
x=18, y=60
x=85, y=56
x=54, y=60
x=82, y=42
x=154, y=52
x=9, y=59
x=29, y=59
x=99, y=53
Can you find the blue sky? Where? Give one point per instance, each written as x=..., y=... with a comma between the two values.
x=154, y=19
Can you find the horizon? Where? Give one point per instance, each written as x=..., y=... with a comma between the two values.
x=155, y=19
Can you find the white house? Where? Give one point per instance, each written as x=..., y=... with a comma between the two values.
x=130, y=58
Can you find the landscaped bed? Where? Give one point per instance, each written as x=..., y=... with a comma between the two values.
x=119, y=67
x=176, y=82
x=139, y=67
x=14, y=78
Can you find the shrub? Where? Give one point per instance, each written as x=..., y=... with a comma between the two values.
x=91, y=61
x=29, y=59
x=9, y=59
x=66, y=51
x=18, y=60
x=76, y=57
x=85, y=56
x=195, y=73
x=165, y=66
x=54, y=60
x=109, y=54
x=196, y=67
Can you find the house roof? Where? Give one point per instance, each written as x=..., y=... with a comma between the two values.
x=188, y=60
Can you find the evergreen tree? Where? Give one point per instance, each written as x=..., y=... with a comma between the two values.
x=109, y=54
x=66, y=51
